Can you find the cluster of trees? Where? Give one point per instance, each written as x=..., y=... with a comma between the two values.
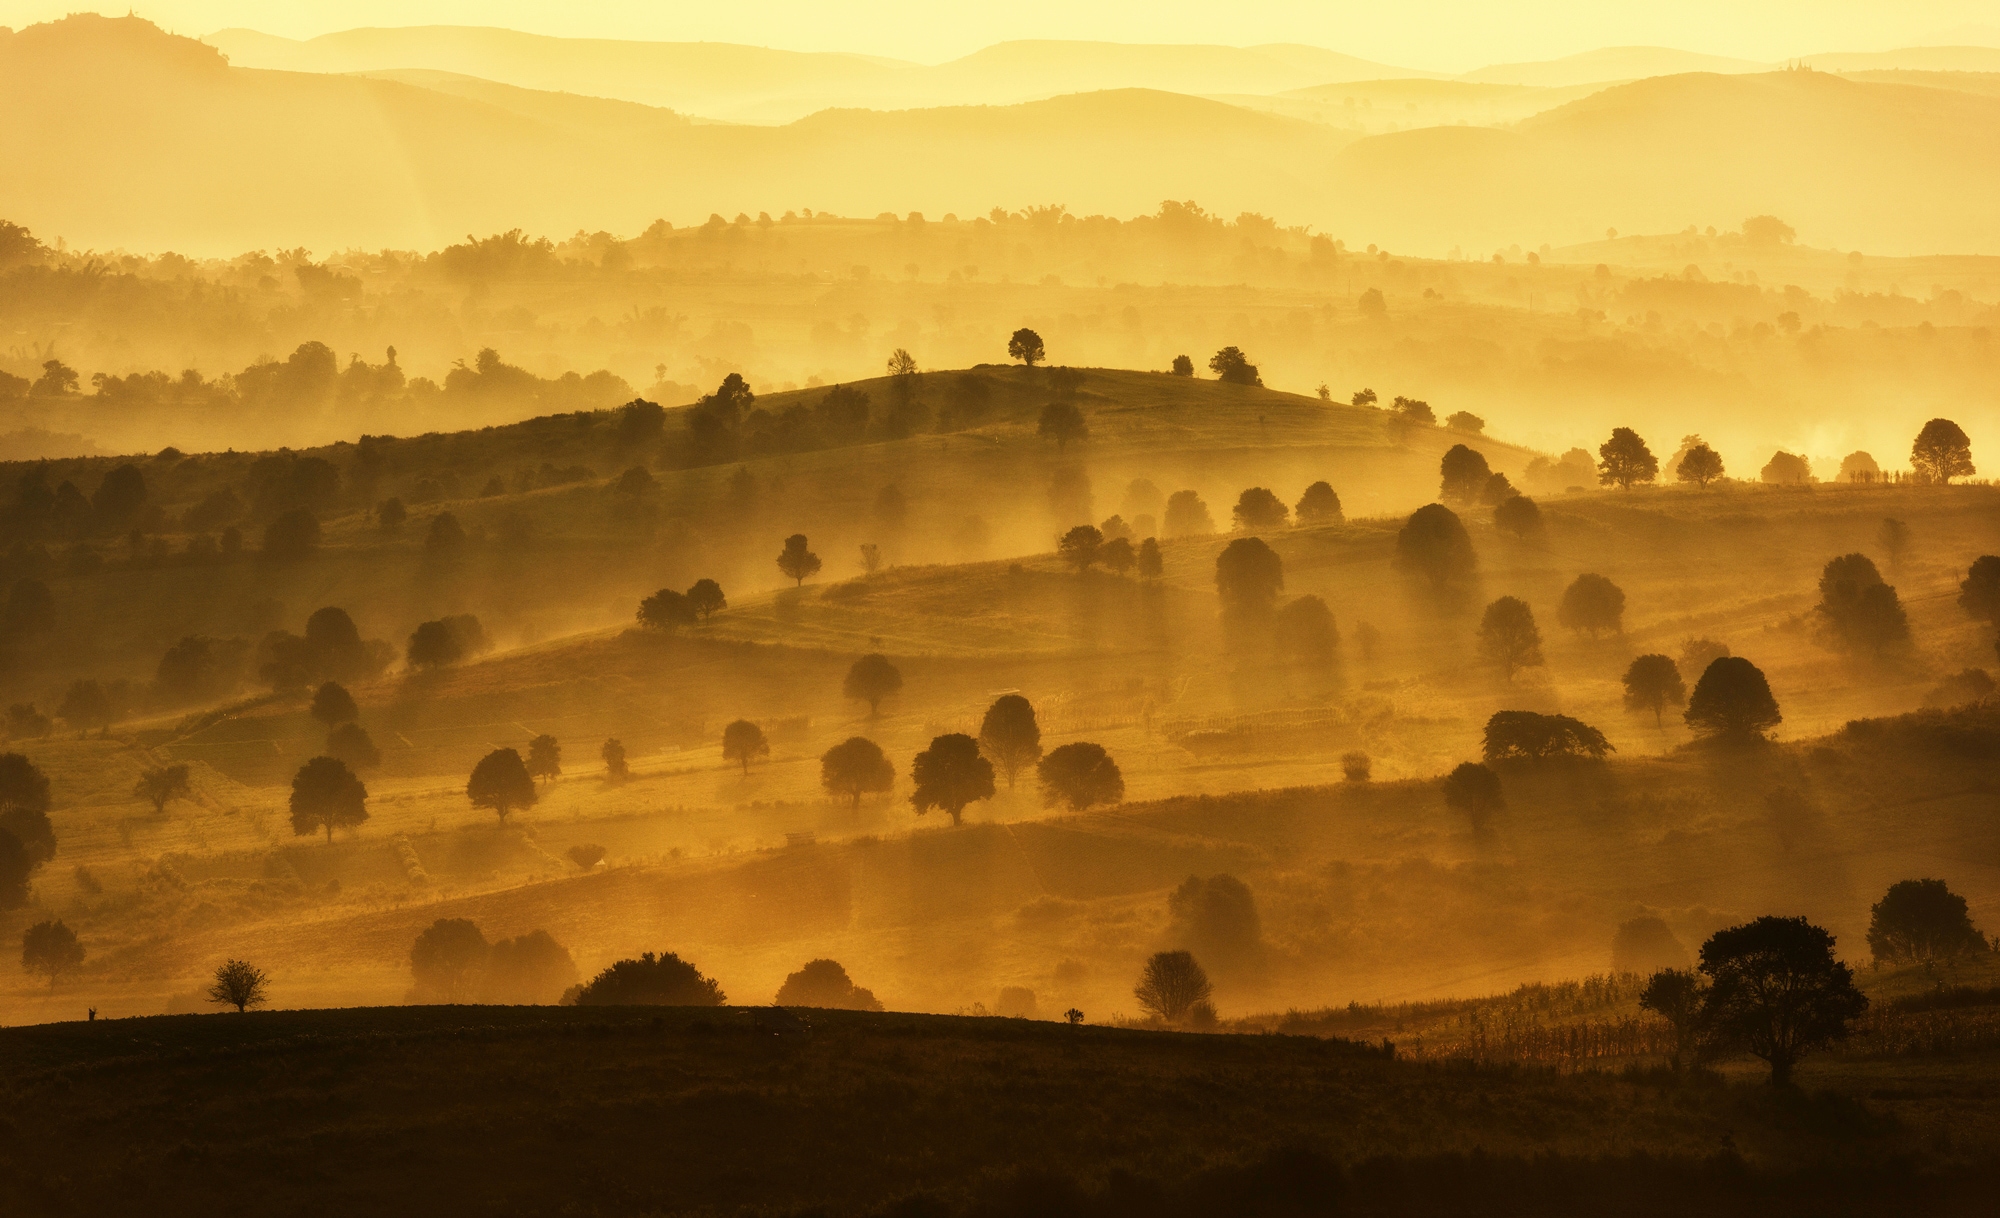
x=667, y=610
x=1940, y=453
x=451, y=961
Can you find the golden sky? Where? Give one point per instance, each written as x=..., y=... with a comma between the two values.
x=1437, y=35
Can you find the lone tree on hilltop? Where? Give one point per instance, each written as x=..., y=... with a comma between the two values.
x=1463, y=475
x=333, y=705
x=1653, y=682
x=447, y=959
x=1593, y=605
x=1248, y=575
x=1529, y=736
x=1732, y=701
x=1080, y=775
x=1979, y=592
x=797, y=561
x=871, y=679
x=350, y=743
x=1258, y=508
x=1010, y=735
x=664, y=980
x=161, y=785
x=666, y=610
x=1918, y=921
x=615, y=767
x=855, y=767
x=949, y=775
x=1232, y=367
x=743, y=742
x=1183, y=366
x=1777, y=991
x=1857, y=612
x=1508, y=635
x=1063, y=423
x=1081, y=546
x=1434, y=546
x=1319, y=505
x=1473, y=791
x=1187, y=516
x=1680, y=996
x=1625, y=459
x=1700, y=465
x=1518, y=515
x=500, y=781
x=544, y=757
x=705, y=597
x=1171, y=984
x=240, y=984
x=824, y=985
x=50, y=949
x=325, y=795
x=1941, y=453
x=1026, y=346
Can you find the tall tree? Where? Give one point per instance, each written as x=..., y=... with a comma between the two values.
x=1625, y=459
x=743, y=742
x=1248, y=575
x=949, y=775
x=1080, y=775
x=544, y=757
x=1918, y=921
x=1508, y=635
x=1080, y=547
x=1010, y=735
x=797, y=560
x=871, y=679
x=1592, y=605
x=1732, y=701
x=1187, y=516
x=501, y=782
x=1777, y=990
x=1434, y=545
x=1026, y=345
x=705, y=597
x=1653, y=682
x=1463, y=475
x=326, y=795
x=1857, y=611
x=1258, y=508
x=1171, y=984
x=1701, y=465
x=1319, y=505
x=855, y=767
x=1941, y=452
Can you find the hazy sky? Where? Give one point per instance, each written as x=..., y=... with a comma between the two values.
x=1442, y=35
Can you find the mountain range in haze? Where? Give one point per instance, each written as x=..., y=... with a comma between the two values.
x=227, y=157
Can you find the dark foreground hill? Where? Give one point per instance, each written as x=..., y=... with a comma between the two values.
x=451, y=1110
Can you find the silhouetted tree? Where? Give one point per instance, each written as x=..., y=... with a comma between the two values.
x=1080, y=547
x=586, y=857
x=705, y=597
x=161, y=785
x=447, y=959
x=615, y=767
x=1363, y=397
x=1026, y=345
x=1354, y=766
x=51, y=950
x=1187, y=516
x=1785, y=469
x=1857, y=611
x=351, y=743
x=326, y=794
x=796, y=560
x=433, y=645
x=1258, y=508
x=1305, y=632
x=1680, y=996
x=500, y=781
x=1434, y=545
x=824, y=985
x=1463, y=475
x=1508, y=635
x=1518, y=515
x=744, y=742
x=1062, y=422
x=855, y=767
x=666, y=610
x=292, y=536
x=1894, y=538
x=528, y=969
x=1941, y=452
x=665, y=980
x=1776, y=990
x=1080, y=775
x=1653, y=682
x=1921, y=920
x=1010, y=736
x=1593, y=605
x=1732, y=700
x=1248, y=575
x=1183, y=366
x=1625, y=459
x=871, y=679
x=1979, y=592
x=544, y=757
x=1465, y=420
x=240, y=984
x=1473, y=791
x=333, y=705
x=1151, y=565
x=1535, y=737
x=1117, y=555
x=1701, y=465
x=1414, y=412
x=1232, y=367
x=1319, y=505
x=949, y=775
x=1171, y=984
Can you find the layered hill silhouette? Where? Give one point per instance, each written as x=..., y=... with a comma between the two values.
x=234, y=157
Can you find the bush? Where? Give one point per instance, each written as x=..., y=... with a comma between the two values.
x=664, y=980
x=825, y=984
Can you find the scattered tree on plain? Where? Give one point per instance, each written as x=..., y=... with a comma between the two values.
x=949, y=775
x=1857, y=612
x=162, y=785
x=667, y=610
x=1063, y=423
x=1508, y=635
x=50, y=949
x=615, y=767
x=501, y=782
x=1434, y=546
x=1463, y=475
x=1529, y=736
x=239, y=984
x=1919, y=921
x=333, y=705
x=1653, y=683
x=1732, y=701
x=1187, y=516
x=824, y=985
x=1232, y=367
x=664, y=980
x=1776, y=990
x=1249, y=575
x=1519, y=516
x=1941, y=452
x=1593, y=605
x=1625, y=459
x=1080, y=775
x=705, y=597
x=743, y=742
x=1026, y=346
x=1319, y=505
x=1010, y=735
x=1080, y=547
x=797, y=561
x=871, y=679
x=326, y=795
x=1473, y=791
x=1700, y=465
x=1170, y=985
x=544, y=757
x=855, y=767
x=1258, y=508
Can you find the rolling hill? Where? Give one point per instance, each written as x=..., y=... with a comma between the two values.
x=1608, y=64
